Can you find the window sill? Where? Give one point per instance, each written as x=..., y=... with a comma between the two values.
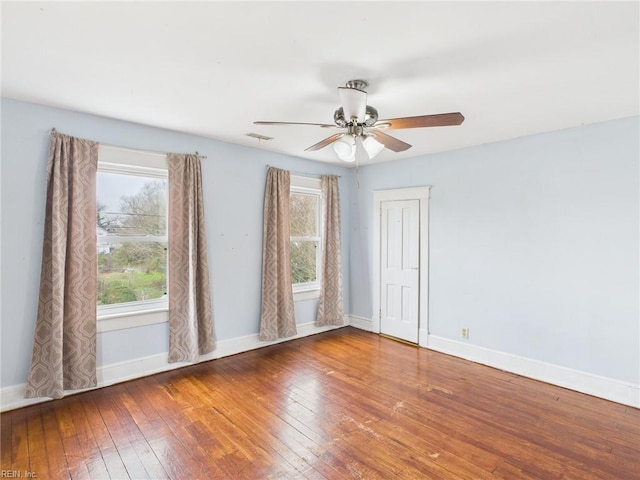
x=121, y=321
x=306, y=295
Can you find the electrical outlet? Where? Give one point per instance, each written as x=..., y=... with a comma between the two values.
x=464, y=332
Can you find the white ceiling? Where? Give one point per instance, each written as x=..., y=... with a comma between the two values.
x=212, y=68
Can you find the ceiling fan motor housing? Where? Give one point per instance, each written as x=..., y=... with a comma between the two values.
x=357, y=84
x=371, y=117
x=338, y=117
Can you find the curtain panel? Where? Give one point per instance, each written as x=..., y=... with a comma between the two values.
x=64, y=346
x=330, y=305
x=277, y=319
x=191, y=329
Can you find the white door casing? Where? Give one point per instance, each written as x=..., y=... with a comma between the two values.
x=382, y=197
x=399, y=269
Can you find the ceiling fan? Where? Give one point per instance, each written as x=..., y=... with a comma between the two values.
x=364, y=137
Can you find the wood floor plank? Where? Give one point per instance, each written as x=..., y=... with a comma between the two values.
x=175, y=453
x=89, y=450
x=407, y=444
x=105, y=443
x=19, y=444
x=121, y=425
x=38, y=461
x=549, y=443
x=57, y=458
x=70, y=441
x=5, y=441
x=339, y=405
x=150, y=462
x=289, y=443
x=358, y=426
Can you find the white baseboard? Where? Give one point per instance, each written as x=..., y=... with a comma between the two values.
x=12, y=397
x=603, y=387
x=361, y=322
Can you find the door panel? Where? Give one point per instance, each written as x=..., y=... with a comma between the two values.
x=399, y=268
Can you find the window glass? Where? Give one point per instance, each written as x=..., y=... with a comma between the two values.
x=131, y=222
x=304, y=261
x=131, y=204
x=303, y=215
x=304, y=224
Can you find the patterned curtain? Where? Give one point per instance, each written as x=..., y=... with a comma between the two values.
x=277, y=319
x=191, y=331
x=330, y=305
x=64, y=346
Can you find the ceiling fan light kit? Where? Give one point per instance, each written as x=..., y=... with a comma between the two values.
x=372, y=146
x=345, y=148
x=364, y=138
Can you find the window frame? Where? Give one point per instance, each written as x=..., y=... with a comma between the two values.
x=309, y=186
x=124, y=161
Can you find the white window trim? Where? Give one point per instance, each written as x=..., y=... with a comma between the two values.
x=309, y=185
x=132, y=320
x=148, y=312
x=153, y=172
x=302, y=295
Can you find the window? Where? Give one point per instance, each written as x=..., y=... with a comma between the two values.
x=131, y=223
x=305, y=223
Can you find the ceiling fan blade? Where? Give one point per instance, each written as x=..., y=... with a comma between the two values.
x=438, y=120
x=325, y=142
x=392, y=143
x=354, y=103
x=260, y=122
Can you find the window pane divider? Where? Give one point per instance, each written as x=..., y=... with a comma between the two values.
x=132, y=238
x=306, y=286
x=305, y=239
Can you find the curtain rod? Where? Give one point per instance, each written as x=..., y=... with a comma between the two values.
x=53, y=130
x=304, y=174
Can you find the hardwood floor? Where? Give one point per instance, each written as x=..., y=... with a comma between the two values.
x=342, y=404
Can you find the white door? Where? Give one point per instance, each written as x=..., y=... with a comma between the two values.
x=400, y=268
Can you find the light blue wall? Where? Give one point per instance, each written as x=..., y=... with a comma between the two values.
x=233, y=181
x=534, y=242
x=534, y=245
